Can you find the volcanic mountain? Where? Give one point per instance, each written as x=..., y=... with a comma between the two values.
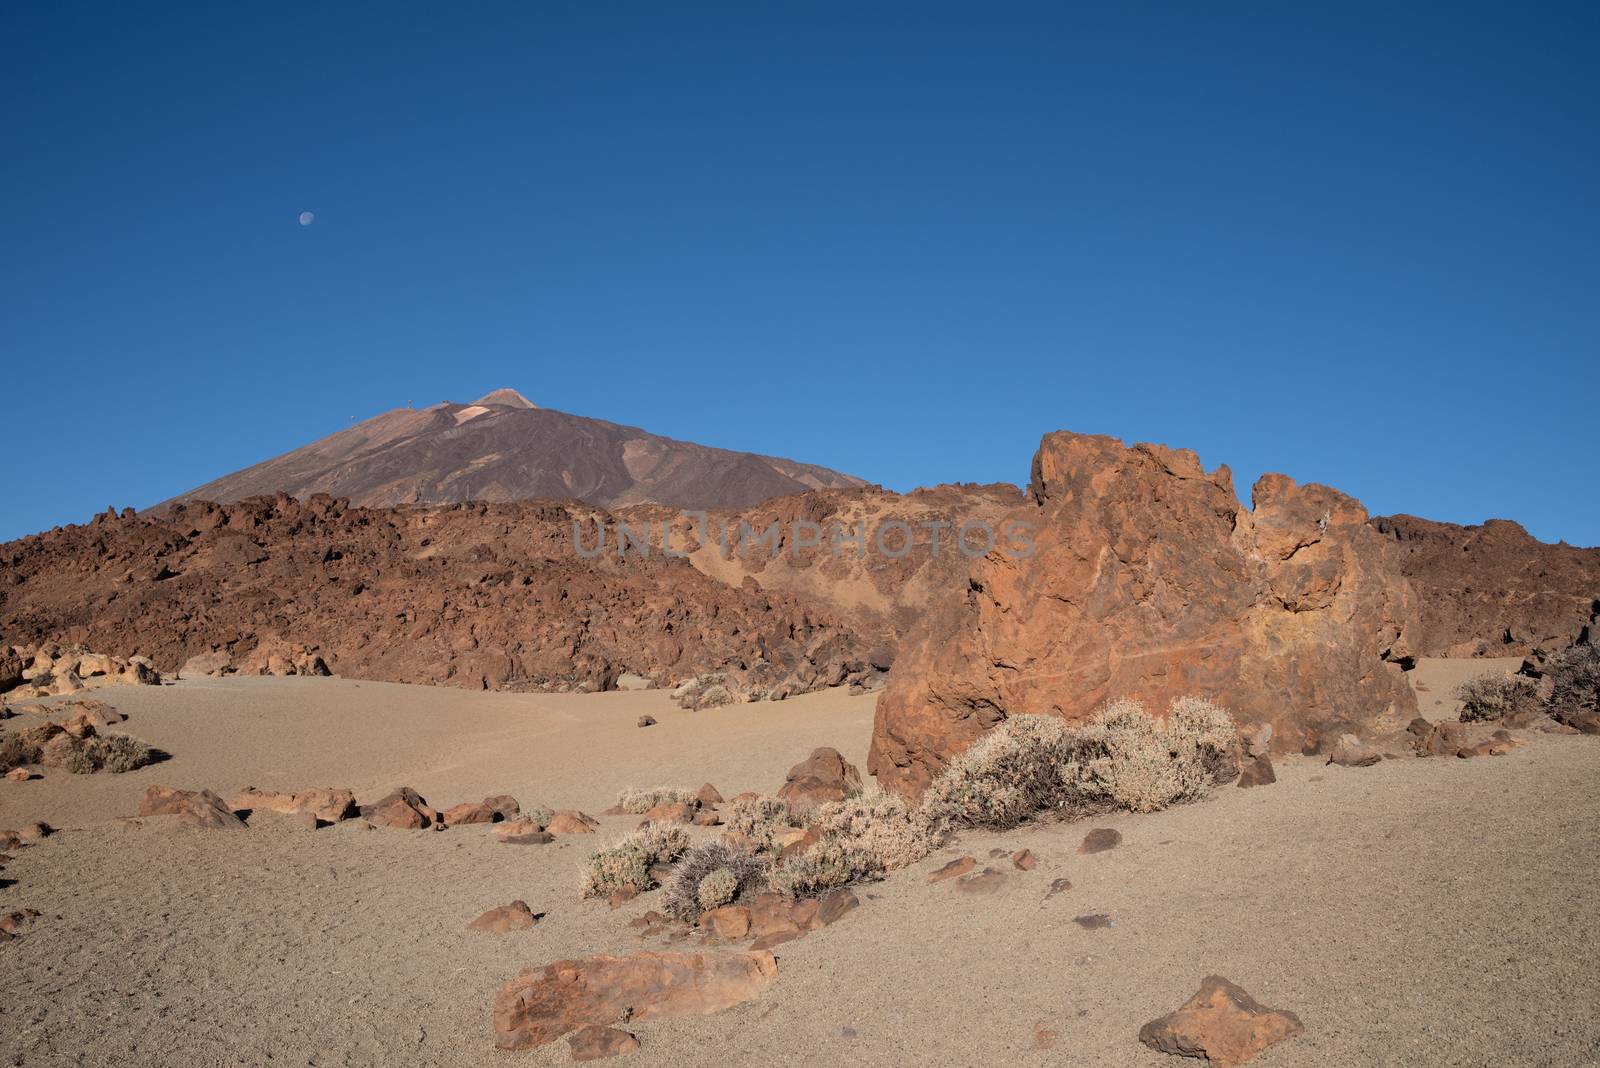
x=501, y=447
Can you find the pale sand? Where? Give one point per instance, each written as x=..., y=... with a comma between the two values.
x=1418, y=912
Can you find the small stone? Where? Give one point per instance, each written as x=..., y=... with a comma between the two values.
x=1093, y=922
x=516, y=916
x=1024, y=860
x=647, y=721
x=1100, y=839
x=1059, y=886
x=594, y=1042
x=985, y=882
x=1257, y=772
x=959, y=866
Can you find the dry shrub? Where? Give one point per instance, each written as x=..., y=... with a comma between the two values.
x=626, y=863
x=706, y=691
x=117, y=753
x=1121, y=758
x=757, y=818
x=15, y=752
x=862, y=837
x=710, y=875
x=639, y=801
x=1575, y=681
x=1493, y=697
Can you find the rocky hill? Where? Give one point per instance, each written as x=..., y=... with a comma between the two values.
x=503, y=448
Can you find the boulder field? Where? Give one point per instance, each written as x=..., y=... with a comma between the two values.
x=1147, y=579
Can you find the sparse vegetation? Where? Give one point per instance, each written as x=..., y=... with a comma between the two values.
x=639, y=801
x=705, y=691
x=862, y=837
x=15, y=752
x=709, y=876
x=757, y=818
x=1494, y=697
x=1122, y=758
x=1575, y=677
x=627, y=862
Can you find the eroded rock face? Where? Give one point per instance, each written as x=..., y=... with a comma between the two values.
x=326, y=804
x=1222, y=1024
x=541, y=1005
x=1148, y=580
x=1492, y=589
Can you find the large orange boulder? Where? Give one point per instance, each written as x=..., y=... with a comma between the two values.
x=540, y=1005
x=1148, y=579
x=1222, y=1024
x=823, y=776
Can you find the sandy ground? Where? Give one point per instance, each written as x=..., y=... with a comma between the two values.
x=1418, y=912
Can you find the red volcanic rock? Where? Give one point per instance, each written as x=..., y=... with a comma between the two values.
x=959, y=866
x=647, y=721
x=504, y=805
x=572, y=822
x=822, y=777
x=21, y=775
x=469, y=812
x=404, y=808
x=194, y=808
x=1148, y=580
x=481, y=596
x=1024, y=860
x=707, y=795
x=1351, y=752
x=986, y=881
x=669, y=812
x=321, y=803
x=1100, y=839
x=539, y=1006
x=594, y=1042
x=516, y=916
x=1221, y=1023
x=1491, y=589
x=729, y=921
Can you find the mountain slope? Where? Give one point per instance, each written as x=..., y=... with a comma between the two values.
x=503, y=448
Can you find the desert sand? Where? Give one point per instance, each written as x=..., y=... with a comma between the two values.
x=1416, y=912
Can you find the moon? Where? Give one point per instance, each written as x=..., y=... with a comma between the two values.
x=307, y=218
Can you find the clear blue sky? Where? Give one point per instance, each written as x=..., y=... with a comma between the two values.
x=1359, y=244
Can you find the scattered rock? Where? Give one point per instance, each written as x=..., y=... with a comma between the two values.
x=539, y=1006
x=468, y=813
x=730, y=921
x=593, y=1042
x=669, y=812
x=504, y=805
x=324, y=803
x=1351, y=752
x=1257, y=771
x=13, y=923
x=647, y=721
x=1059, y=886
x=1100, y=839
x=213, y=663
x=22, y=775
x=707, y=795
x=1094, y=921
x=1221, y=1023
x=835, y=905
x=822, y=777
x=572, y=822
x=516, y=916
x=194, y=808
x=404, y=808
x=1024, y=860
x=959, y=866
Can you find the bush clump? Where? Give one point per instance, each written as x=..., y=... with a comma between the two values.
x=862, y=837
x=709, y=876
x=1494, y=697
x=638, y=801
x=1575, y=681
x=626, y=864
x=757, y=818
x=1121, y=758
x=16, y=751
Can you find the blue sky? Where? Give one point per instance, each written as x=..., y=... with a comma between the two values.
x=1358, y=244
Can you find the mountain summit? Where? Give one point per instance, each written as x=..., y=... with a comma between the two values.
x=502, y=447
